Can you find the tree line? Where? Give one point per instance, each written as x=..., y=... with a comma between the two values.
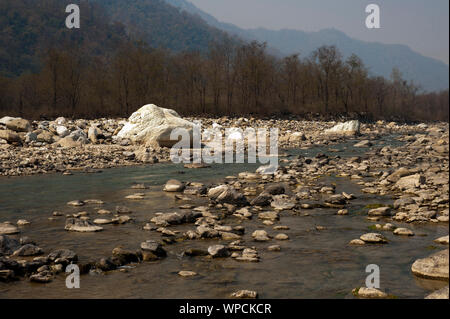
x=229, y=79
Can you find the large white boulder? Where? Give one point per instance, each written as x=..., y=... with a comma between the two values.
x=152, y=125
x=347, y=128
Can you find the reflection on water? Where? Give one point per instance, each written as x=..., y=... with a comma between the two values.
x=312, y=264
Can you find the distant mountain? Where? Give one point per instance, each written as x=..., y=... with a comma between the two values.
x=429, y=73
x=28, y=28
x=161, y=25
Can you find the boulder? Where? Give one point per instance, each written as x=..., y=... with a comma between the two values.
x=373, y=238
x=10, y=136
x=16, y=124
x=218, y=251
x=8, y=229
x=152, y=125
x=79, y=225
x=174, y=185
x=62, y=131
x=380, y=211
x=433, y=267
x=68, y=142
x=8, y=245
x=411, y=181
x=347, y=128
x=46, y=137
x=439, y=294
x=226, y=194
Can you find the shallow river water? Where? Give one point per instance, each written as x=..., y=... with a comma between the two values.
x=312, y=264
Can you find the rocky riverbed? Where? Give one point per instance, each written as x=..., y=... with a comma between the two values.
x=387, y=182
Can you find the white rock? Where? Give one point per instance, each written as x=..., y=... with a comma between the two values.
x=152, y=124
x=347, y=128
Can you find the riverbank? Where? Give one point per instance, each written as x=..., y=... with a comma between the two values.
x=348, y=203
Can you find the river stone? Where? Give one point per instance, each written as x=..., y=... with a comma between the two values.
x=245, y=294
x=8, y=229
x=102, y=221
x=269, y=215
x=126, y=256
x=174, y=185
x=152, y=125
x=8, y=245
x=364, y=292
x=435, y=266
x=442, y=240
x=261, y=200
x=363, y=143
x=42, y=277
x=193, y=252
x=45, y=137
x=357, y=242
x=77, y=225
x=373, y=238
x=187, y=273
x=28, y=250
x=153, y=247
x=274, y=248
x=123, y=210
x=16, y=124
x=225, y=194
x=281, y=237
x=411, y=181
x=380, y=211
x=260, y=235
x=10, y=136
x=404, y=201
x=76, y=203
x=229, y=236
x=282, y=202
x=62, y=131
x=166, y=219
x=403, y=232
x=439, y=294
x=6, y=275
x=63, y=254
x=217, y=251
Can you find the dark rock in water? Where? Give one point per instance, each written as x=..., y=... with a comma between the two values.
x=123, y=210
x=226, y=194
x=28, y=250
x=195, y=252
x=9, y=264
x=218, y=251
x=26, y=240
x=63, y=254
x=107, y=264
x=262, y=200
x=275, y=189
x=7, y=275
x=125, y=256
x=86, y=267
x=336, y=200
x=8, y=245
x=153, y=247
x=42, y=277
x=139, y=186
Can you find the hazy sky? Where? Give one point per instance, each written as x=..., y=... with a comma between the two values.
x=423, y=25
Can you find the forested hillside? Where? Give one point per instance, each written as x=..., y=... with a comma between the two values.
x=130, y=53
x=28, y=28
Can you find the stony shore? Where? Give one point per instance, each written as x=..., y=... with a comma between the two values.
x=415, y=174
